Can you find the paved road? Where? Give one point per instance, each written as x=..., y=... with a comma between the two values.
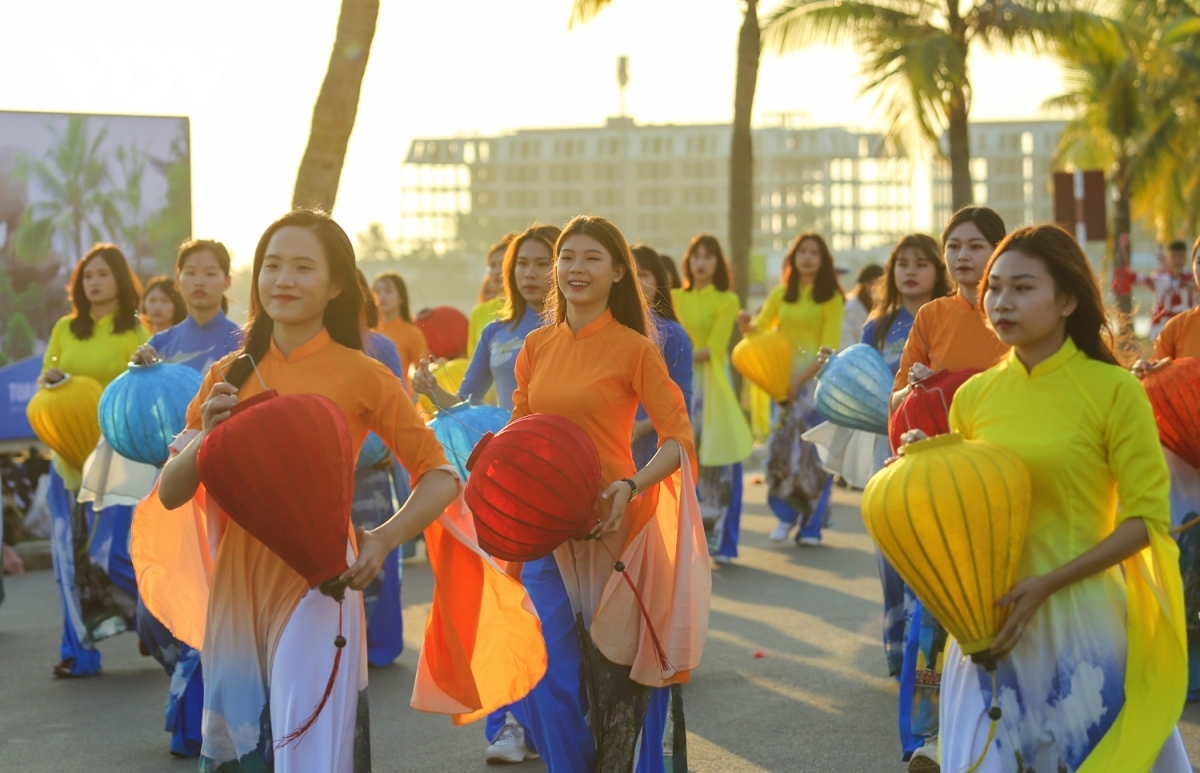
x=817, y=701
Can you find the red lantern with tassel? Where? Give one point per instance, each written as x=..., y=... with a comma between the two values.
x=283, y=468
x=533, y=486
x=445, y=329
x=927, y=405
x=1173, y=387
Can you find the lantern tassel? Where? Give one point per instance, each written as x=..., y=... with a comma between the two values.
x=664, y=665
x=993, y=715
x=306, y=725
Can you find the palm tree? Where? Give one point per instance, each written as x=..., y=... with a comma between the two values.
x=74, y=177
x=741, y=155
x=915, y=56
x=336, y=107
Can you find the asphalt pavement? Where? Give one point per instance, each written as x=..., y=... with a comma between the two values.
x=793, y=678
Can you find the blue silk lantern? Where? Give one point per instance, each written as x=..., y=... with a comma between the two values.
x=460, y=427
x=373, y=452
x=144, y=408
x=853, y=389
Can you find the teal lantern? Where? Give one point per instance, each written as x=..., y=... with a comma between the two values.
x=460, y=427
x=854, y=388
x=373, y=452
x=144, y=408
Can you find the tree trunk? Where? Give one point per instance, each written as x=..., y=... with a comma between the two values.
x=961, y=189
x=336, y=107
x=1122, y=245
x=741, y=153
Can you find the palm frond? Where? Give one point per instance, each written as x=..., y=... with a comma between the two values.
x=583, y=11
x=795, y=24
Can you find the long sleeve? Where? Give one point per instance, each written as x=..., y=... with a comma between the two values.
x=390, y=414
x=768, y=317
x=915, y=350
x=522, y=371
x=663, y=402
x=478, y=379
x=1135, y=456
x=677, y=352
x=832, y=312
x=722, y=329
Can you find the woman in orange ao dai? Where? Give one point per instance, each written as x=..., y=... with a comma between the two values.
x=593, y=365
x=211, y=582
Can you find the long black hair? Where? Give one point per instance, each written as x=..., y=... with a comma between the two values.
x=1088, y=326
x=825, y=283
x=343, y=314
x=990, y=224
x=889, y=305
x=649, y=260
x=710, y=244
x=515, y=303
x=625, y=299
x=397, y=282
x=129, y=292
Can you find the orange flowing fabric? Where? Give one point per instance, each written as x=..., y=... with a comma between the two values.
x=409, y=340
x=1180, y=337
x=194, y=564
x=949, y=334
x=596, y=378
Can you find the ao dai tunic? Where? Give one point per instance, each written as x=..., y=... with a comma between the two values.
x=495, y=360
x=103, y=357
x=949, y=334
x=808, y=324
x=1097, y=681
x=596, y=378
x=409, y=340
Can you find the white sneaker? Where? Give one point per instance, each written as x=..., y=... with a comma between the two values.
x=722, y=560
x=809, y=542
x=509, y=745
x=924, y=760
x=781, y=531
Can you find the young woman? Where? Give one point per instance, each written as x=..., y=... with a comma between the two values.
x=395, y=319
x=593, y=365
x=807, y=306
x=949, y=333
x=265, y=669
x=708, y=310
x=859, y=304
x=676, y=349
x=96, y=340
x=528, y=265
x=202, y=273
x=528, y=269
x=162, y=305
x=915, y=275
x=1092, y=658
x=491, y=303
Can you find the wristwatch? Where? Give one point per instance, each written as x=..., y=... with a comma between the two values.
x=633, y=489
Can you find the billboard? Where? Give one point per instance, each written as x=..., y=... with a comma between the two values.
x=68, y=181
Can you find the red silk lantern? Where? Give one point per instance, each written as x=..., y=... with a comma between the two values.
x=283, y=468
x=533, y=486
x=1173, y=387
x=445, y=329
x=927, y=405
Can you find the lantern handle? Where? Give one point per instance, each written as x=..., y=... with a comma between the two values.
x=254, y=365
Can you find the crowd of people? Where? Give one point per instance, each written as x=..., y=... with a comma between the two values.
x=635, y=352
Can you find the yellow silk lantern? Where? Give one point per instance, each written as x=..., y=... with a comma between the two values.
x=64, y=416
x=766, y=359
x=449, y=376
x=951, y=516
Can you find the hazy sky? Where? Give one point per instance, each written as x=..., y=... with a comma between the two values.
x=248, y=71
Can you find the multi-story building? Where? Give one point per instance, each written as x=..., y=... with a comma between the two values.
x=661, y=185
x=1012, y=171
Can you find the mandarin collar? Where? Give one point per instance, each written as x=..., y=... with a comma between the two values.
x=958, y=297
x=220, y=317
x=593, y=327
x=1047, y=366
x=310, y=347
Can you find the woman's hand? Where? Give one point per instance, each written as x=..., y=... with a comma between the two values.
x=217, y=407
x=745, y=322
x=919, y=372
x=372, y=551
x=1143, y=368
x=912, y=436
x=823, y=355
x=1023, y=601
x=701, y=355
x=423, y=381
x=51, y=376
x=144, y=355
x=620, y=493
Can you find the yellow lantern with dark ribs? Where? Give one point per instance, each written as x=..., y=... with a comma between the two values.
x=766, y=359
x=951, y=516
x=65, y=416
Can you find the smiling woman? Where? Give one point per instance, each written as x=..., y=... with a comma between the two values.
x=304, y=337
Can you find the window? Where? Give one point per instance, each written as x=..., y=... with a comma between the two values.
x=654, y=196
x=654, y=170
x=520, y=174
x=609, y=197
x=699, y=195
x=607, y=171
x=566, y=198
x=566, y=172
x=517, y=199
x=699, y=169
